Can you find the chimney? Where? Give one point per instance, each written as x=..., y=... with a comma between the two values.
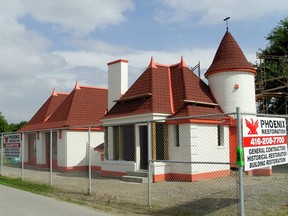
x=117, y=80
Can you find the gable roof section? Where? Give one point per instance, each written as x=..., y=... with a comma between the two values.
x=229, y=57
x=166, y=90
x=146, y=95
x=191, y=95
x=45, y=111
x=83, y=106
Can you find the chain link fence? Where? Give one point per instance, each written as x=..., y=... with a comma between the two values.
x=184, y=166
x=191, y=165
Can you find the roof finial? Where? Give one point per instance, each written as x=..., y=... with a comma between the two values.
x=54, y=93
x=182, y=63
x=152, y=63
x=77, y=85
x=226, y=19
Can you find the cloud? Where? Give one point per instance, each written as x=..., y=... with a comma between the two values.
x=73, y=16
x=29, y=70
x=78, y=17
x=94, y=64
x=23, y=56
x=211, y=12
x=98, y=46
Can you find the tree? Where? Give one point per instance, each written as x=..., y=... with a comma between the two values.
x=271, y=79
x=4, y=126
x=278, y=40
x=15, y=127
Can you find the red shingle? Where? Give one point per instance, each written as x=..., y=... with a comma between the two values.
x=187, y=86
x=229, y=57
x=45, y=111
x=170, y=86
x=83, y=106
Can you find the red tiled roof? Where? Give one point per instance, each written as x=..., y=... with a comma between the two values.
x=229, y=57
x=169, y=86
x=83, y=106
x=46, y=110
x=188, y=87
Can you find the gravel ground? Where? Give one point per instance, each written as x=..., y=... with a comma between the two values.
x=263, y=195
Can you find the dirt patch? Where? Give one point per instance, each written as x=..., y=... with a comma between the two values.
x=263, y=195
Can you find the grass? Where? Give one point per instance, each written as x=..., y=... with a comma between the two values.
x=46, y=190
x=103, y=204
x=26, y=186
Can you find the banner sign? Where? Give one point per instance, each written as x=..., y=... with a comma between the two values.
x=265, y=142
x=12, y=144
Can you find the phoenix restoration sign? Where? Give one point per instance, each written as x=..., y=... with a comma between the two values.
x=12, y=144
x=264, y=142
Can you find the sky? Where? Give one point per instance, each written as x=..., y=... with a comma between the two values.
x=52, y=44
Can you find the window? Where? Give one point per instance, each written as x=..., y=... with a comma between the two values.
x=128, y=143
x=106, y=143
x=116, y=142
x=177, y=140
x=124, y=143
x=220, y=133
x=160, y=142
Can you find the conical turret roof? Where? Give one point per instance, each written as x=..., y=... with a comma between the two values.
x=229, y=57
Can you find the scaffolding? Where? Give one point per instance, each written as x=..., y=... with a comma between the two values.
x=271, y=84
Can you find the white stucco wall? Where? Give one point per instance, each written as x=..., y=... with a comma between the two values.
x=198, y=143
x=223, y=88
x=62, y=149
x=26, y=148
x=96, y=158
x=204, y=148
x=41, y=149
x=117, y=80
x=76, y=148
x=183, y=152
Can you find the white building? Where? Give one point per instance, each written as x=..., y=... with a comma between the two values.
x=168, y=92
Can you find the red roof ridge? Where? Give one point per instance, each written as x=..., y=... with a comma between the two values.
x=55, y=93
x=162, y=65
x=171, y=92
x=63, y=93
x=93, y=87
x=152, y=63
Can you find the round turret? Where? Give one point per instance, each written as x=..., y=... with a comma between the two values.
x=231, y=77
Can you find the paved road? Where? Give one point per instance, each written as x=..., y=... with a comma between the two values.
x=15, y=202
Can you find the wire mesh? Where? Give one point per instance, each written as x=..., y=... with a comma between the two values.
x=192, y=164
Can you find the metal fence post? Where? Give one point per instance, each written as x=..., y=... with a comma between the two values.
x=89, y=161
x=240, y=169
x=51, y=158
x=22, y=156
x=149, y=162
x=2, y=153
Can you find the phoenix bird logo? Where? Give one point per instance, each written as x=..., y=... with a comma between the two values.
x=252, y=126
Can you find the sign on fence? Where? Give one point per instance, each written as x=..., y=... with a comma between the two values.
x=12, y=144
x=264, y=142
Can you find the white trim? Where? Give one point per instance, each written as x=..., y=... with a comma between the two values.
x=135, y=118
x=137, y=145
